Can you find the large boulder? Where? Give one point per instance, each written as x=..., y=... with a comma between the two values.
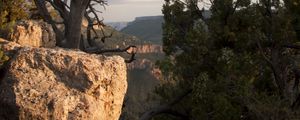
x=33, y=33
x=60, y=84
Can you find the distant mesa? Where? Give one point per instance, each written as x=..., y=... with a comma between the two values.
x=117, y=25
x=147, y=28
x=148, y=18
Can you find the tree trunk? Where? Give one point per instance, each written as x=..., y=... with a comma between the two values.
x=73, y=34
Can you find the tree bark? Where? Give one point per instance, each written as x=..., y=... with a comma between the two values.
x=73, y=35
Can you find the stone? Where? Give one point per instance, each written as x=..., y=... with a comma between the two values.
x=33, y=33
x=8, y=46
x=61, y=84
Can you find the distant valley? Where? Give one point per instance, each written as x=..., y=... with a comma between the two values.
x=146, y=28
x=143, y=75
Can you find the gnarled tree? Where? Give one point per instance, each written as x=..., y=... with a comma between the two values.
x=72, y=13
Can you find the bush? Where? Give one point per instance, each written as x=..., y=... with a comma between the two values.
x=3, y=58
x=10, y=12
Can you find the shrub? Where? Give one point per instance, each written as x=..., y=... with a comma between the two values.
x=3, y=58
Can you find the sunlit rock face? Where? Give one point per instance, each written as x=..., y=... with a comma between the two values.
x=142, y=63
x=149, y=48
x=33, y=33
x=60, y=84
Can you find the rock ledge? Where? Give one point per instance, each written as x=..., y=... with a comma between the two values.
x=60, y=84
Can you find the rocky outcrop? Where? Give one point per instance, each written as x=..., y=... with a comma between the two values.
x=33, y=33
x=149, y=48
x=9, y=47
x=60, y=84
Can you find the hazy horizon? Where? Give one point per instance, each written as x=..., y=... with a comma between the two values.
x=128, y=10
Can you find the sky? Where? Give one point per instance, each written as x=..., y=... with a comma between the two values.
x=127, y=10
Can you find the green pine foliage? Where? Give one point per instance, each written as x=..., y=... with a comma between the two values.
x=3, y=58
x=10, y=12
x=236, y=62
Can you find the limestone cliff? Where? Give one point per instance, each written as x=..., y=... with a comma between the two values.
x=144, y=54
x=143, y=77
x=147, y=55
x=60, y=84
x=150, y=48
x=147, y=28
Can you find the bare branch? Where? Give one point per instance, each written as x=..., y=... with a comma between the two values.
x=100, y=23
x=104, y=37
x=100, y=51
x=129, y=50
x=60, y=7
